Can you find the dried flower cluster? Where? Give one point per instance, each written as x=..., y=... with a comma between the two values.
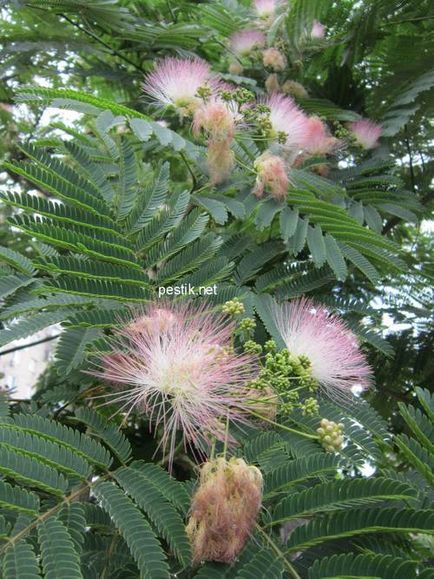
x=224, y=509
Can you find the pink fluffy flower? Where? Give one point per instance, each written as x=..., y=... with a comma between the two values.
x=318, y=30
x=274, y=59
x=243, y=42
x=318, y=140
x=366, y=133
x=217, y=120
x=272, y=175
x=336, y=361
x=176, y=365
x=176, y=82
x=265, y=8
x=288, y=123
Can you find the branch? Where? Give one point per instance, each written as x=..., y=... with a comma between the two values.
x=102, y=42
x=41, y=341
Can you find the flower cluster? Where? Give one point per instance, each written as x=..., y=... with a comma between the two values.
x=286, y=375
x=180, y=371
x=224, y=509
x=219, y=114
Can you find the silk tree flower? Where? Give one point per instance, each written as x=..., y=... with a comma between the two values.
x=244, y=42
x=265, y=8
x=272, y=175
x=336, y=362
x=318, y=30
x=366, y=133
x=175, y=364
x=217, y=119
x=178, y=82
x=274, y=59
x=289, y=124
x=318, y=140
x=224, y=509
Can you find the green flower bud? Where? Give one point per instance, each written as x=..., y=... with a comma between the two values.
x=233, y=307
x=331, y=435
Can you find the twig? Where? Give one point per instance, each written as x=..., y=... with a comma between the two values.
x=102, y=42
x=282, y=426
x=279, y=553
x=41, y=341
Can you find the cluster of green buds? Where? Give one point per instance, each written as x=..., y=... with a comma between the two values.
x=247, y=327
x=233, y=307
x=340, y=131
x=259, y=117
x=204, y=92
x=310, y=407
x=240, y=95
x=331, y=435
x=286, y=374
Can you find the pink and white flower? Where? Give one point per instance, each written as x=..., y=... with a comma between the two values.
x=175, y=364
x=336, y=361
x=245, y=41
x=265, y=8
x=177, y=82
x=272, y=175
x=366, y=133
x=318, y=140
x=217, y=119
x=318, y=30
x=289, y=124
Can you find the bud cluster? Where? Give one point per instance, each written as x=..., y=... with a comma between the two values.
x=233, y=307
x=285, y=374
x=331, y=435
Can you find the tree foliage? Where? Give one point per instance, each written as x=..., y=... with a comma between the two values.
x=106, y=199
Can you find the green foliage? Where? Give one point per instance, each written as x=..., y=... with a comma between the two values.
x=110, y=200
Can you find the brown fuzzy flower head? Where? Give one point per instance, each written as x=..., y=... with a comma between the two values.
x=224, y=509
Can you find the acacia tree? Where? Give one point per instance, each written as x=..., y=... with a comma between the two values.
x=263, y=152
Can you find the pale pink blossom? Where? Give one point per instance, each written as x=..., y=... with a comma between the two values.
x=271, y=175
x=175, y=364
x=318, y=140
x=217, y=119
x=245, y=41
x=336, y=361
x=177, y=82
x=289, y=124
x=318, y=30
x=273, y=58
x=265, y=8
x=220, y=161
x=366, y=133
